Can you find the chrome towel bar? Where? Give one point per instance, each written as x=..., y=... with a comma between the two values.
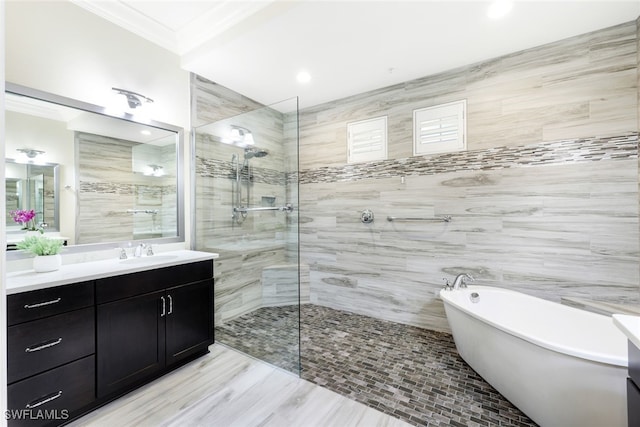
x=446, y=218
x=287, y=208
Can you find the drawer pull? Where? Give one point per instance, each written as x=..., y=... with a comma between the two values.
x=48, y=398
x=41, y=304
x=170, y=304
x=43, y=346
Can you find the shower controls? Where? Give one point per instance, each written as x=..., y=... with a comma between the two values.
x=366, y=216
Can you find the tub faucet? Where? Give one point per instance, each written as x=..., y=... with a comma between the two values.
x=459, y=282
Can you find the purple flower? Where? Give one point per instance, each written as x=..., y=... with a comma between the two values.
x=24, y=217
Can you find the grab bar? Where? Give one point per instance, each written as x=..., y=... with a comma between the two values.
x=285, y=208
x=446, y=218
x=147, y=211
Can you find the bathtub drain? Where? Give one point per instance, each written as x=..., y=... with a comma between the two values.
x=474, y=297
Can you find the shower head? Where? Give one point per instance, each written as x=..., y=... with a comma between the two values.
x=254, y=152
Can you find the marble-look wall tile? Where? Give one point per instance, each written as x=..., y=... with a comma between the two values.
x=211, y=102
x=551, y=231
x=544, y=201
x=574, y=88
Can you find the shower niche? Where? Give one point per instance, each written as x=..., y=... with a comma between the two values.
x=246, y=210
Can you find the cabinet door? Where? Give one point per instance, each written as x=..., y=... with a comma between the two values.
x=130, y=341
x=189, y=320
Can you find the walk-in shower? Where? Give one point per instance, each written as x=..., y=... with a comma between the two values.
x=246, y=198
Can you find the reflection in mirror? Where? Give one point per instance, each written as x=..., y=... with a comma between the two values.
x=119, y=180
x=32, y=187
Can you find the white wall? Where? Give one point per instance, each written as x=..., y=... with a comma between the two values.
x=3, y=244
x=58, y=47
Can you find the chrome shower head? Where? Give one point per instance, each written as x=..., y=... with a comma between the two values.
x=254, y=152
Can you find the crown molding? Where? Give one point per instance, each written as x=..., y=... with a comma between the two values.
x=220, y=17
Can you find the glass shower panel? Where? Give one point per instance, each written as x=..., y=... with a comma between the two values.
x=246, y=199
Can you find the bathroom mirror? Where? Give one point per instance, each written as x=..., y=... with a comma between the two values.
x=105, y=179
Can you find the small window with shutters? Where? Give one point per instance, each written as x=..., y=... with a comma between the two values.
x=367, y=140
x=440, y=129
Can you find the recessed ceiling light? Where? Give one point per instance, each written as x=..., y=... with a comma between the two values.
x=499, y=8
x=145, y=132
x=303, y=77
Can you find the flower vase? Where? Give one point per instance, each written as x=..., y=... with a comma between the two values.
x=45, y=263
x=31, y=233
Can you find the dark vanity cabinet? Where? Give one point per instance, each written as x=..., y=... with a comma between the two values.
x=73, y=348
x=633, y=386
x=150, y=321
x=50, y=354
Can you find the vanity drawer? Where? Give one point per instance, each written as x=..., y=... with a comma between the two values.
x=59, y=392
x=128, y=285
x=43, y=344
x=27, y=306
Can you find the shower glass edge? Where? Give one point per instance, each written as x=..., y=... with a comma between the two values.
x=246, y=210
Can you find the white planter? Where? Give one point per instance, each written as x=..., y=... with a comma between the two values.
x=44, y=263
x=31, y=233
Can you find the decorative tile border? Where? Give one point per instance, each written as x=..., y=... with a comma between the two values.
x=125, y=188
x=212, y=168
x=541, y=154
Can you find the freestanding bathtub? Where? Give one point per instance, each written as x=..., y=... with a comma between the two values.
x=560, y=365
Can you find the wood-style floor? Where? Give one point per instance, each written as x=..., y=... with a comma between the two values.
x=226, y=388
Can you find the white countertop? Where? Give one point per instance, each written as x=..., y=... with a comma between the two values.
x=29, y=280
x=630, y=325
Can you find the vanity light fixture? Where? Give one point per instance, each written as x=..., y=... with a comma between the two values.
x=241, y=135
x=155, y=170
x=29, y=152
x=133, y=99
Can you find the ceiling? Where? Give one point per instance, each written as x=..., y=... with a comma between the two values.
x=258, y=47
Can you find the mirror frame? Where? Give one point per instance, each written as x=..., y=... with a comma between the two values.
x=28, y=92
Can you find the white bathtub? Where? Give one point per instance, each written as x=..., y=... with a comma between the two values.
x=559, y=365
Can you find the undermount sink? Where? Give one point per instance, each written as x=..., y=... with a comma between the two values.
x=149, y=259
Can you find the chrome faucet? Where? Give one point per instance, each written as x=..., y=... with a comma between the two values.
x=138, y=251
x=459, y=281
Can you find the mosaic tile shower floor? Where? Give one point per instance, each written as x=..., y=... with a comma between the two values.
x=411, y=373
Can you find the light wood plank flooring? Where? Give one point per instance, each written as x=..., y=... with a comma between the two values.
x=227, y=388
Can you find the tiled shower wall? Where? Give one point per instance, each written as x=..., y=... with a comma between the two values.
x=544, y=200
x=258, y=258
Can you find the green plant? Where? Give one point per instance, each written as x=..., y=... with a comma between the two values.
x=40, y=245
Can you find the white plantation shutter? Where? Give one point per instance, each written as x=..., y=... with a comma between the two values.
x=367, y=140
x=440, y=129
